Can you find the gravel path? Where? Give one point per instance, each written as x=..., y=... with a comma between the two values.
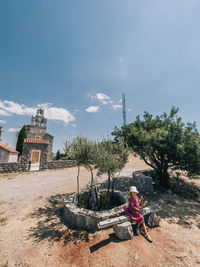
x=29, y=186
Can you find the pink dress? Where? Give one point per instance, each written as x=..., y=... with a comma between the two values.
x=135, y=215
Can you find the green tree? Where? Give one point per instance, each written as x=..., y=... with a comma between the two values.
x=163, y=142
x=83, y=151
x=111, y=158
x=58, y=155
x=20, y=140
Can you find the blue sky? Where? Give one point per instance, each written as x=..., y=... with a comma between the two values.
x=77, y=57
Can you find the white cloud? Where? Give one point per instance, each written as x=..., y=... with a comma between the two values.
x=92, y=109
x=60, y=114
x=115, y=107
x=74, y=125
x=52, y=113
x=103, y=98
x=105, y=102
x=13, y=130
x=12, y=107
x=4, y=113
x=2, y=121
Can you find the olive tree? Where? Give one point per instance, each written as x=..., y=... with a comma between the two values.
x=83, y=151
x=163, y=142
x=111, y=158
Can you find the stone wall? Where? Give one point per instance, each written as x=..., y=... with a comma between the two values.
x=4, y=155
x=58, y=164
x=35, y=132
x=23, y=166
x=84, y=219
x=13, y=167
x=27, y=150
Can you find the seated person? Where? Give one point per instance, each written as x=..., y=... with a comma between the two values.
x=133, y=210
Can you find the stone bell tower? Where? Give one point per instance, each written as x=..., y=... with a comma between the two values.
x=39, y=119
x=37, y=146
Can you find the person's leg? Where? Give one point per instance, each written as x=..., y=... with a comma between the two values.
x=145, y=229
x=138, y=229
x=146, y=234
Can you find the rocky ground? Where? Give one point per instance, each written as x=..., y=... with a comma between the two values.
x=32, y=232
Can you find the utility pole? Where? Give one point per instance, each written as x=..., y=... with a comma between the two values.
x=1, y=133
x=124, y=109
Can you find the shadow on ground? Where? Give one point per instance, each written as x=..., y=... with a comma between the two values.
x=176, y=209
x=50, y=225
x=181, y=207
x=103, y=243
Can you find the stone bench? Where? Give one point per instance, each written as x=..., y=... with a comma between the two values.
x=124, y=218
x=122, y=224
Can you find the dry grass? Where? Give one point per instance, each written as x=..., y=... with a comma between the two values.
x=136, y=162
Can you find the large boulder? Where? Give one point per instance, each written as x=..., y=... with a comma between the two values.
x=142, y=182
x=123, y=231
x=153, y=220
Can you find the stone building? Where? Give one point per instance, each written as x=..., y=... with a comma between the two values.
x=37, y=147
x=7, y=154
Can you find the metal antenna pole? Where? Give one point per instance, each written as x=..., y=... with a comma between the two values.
x=124, y=108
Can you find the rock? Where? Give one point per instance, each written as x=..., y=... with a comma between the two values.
x=123, y=231
x=77, y=241
x=181, y=255
x=153, y=220
x=149, y=209
x=142, y=182
x=169, y=191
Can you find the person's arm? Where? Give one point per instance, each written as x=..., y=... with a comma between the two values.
x=136, y=209
x=142, y=202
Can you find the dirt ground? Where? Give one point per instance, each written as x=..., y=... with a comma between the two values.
x=32, y=232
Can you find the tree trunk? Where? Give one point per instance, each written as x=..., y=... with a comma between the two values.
x=113, y=186
x=92, y=179
x=94, y=198
x=163, y=177
x=77, y=179
x=108, y=190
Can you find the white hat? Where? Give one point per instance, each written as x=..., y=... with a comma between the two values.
x=133, y=189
